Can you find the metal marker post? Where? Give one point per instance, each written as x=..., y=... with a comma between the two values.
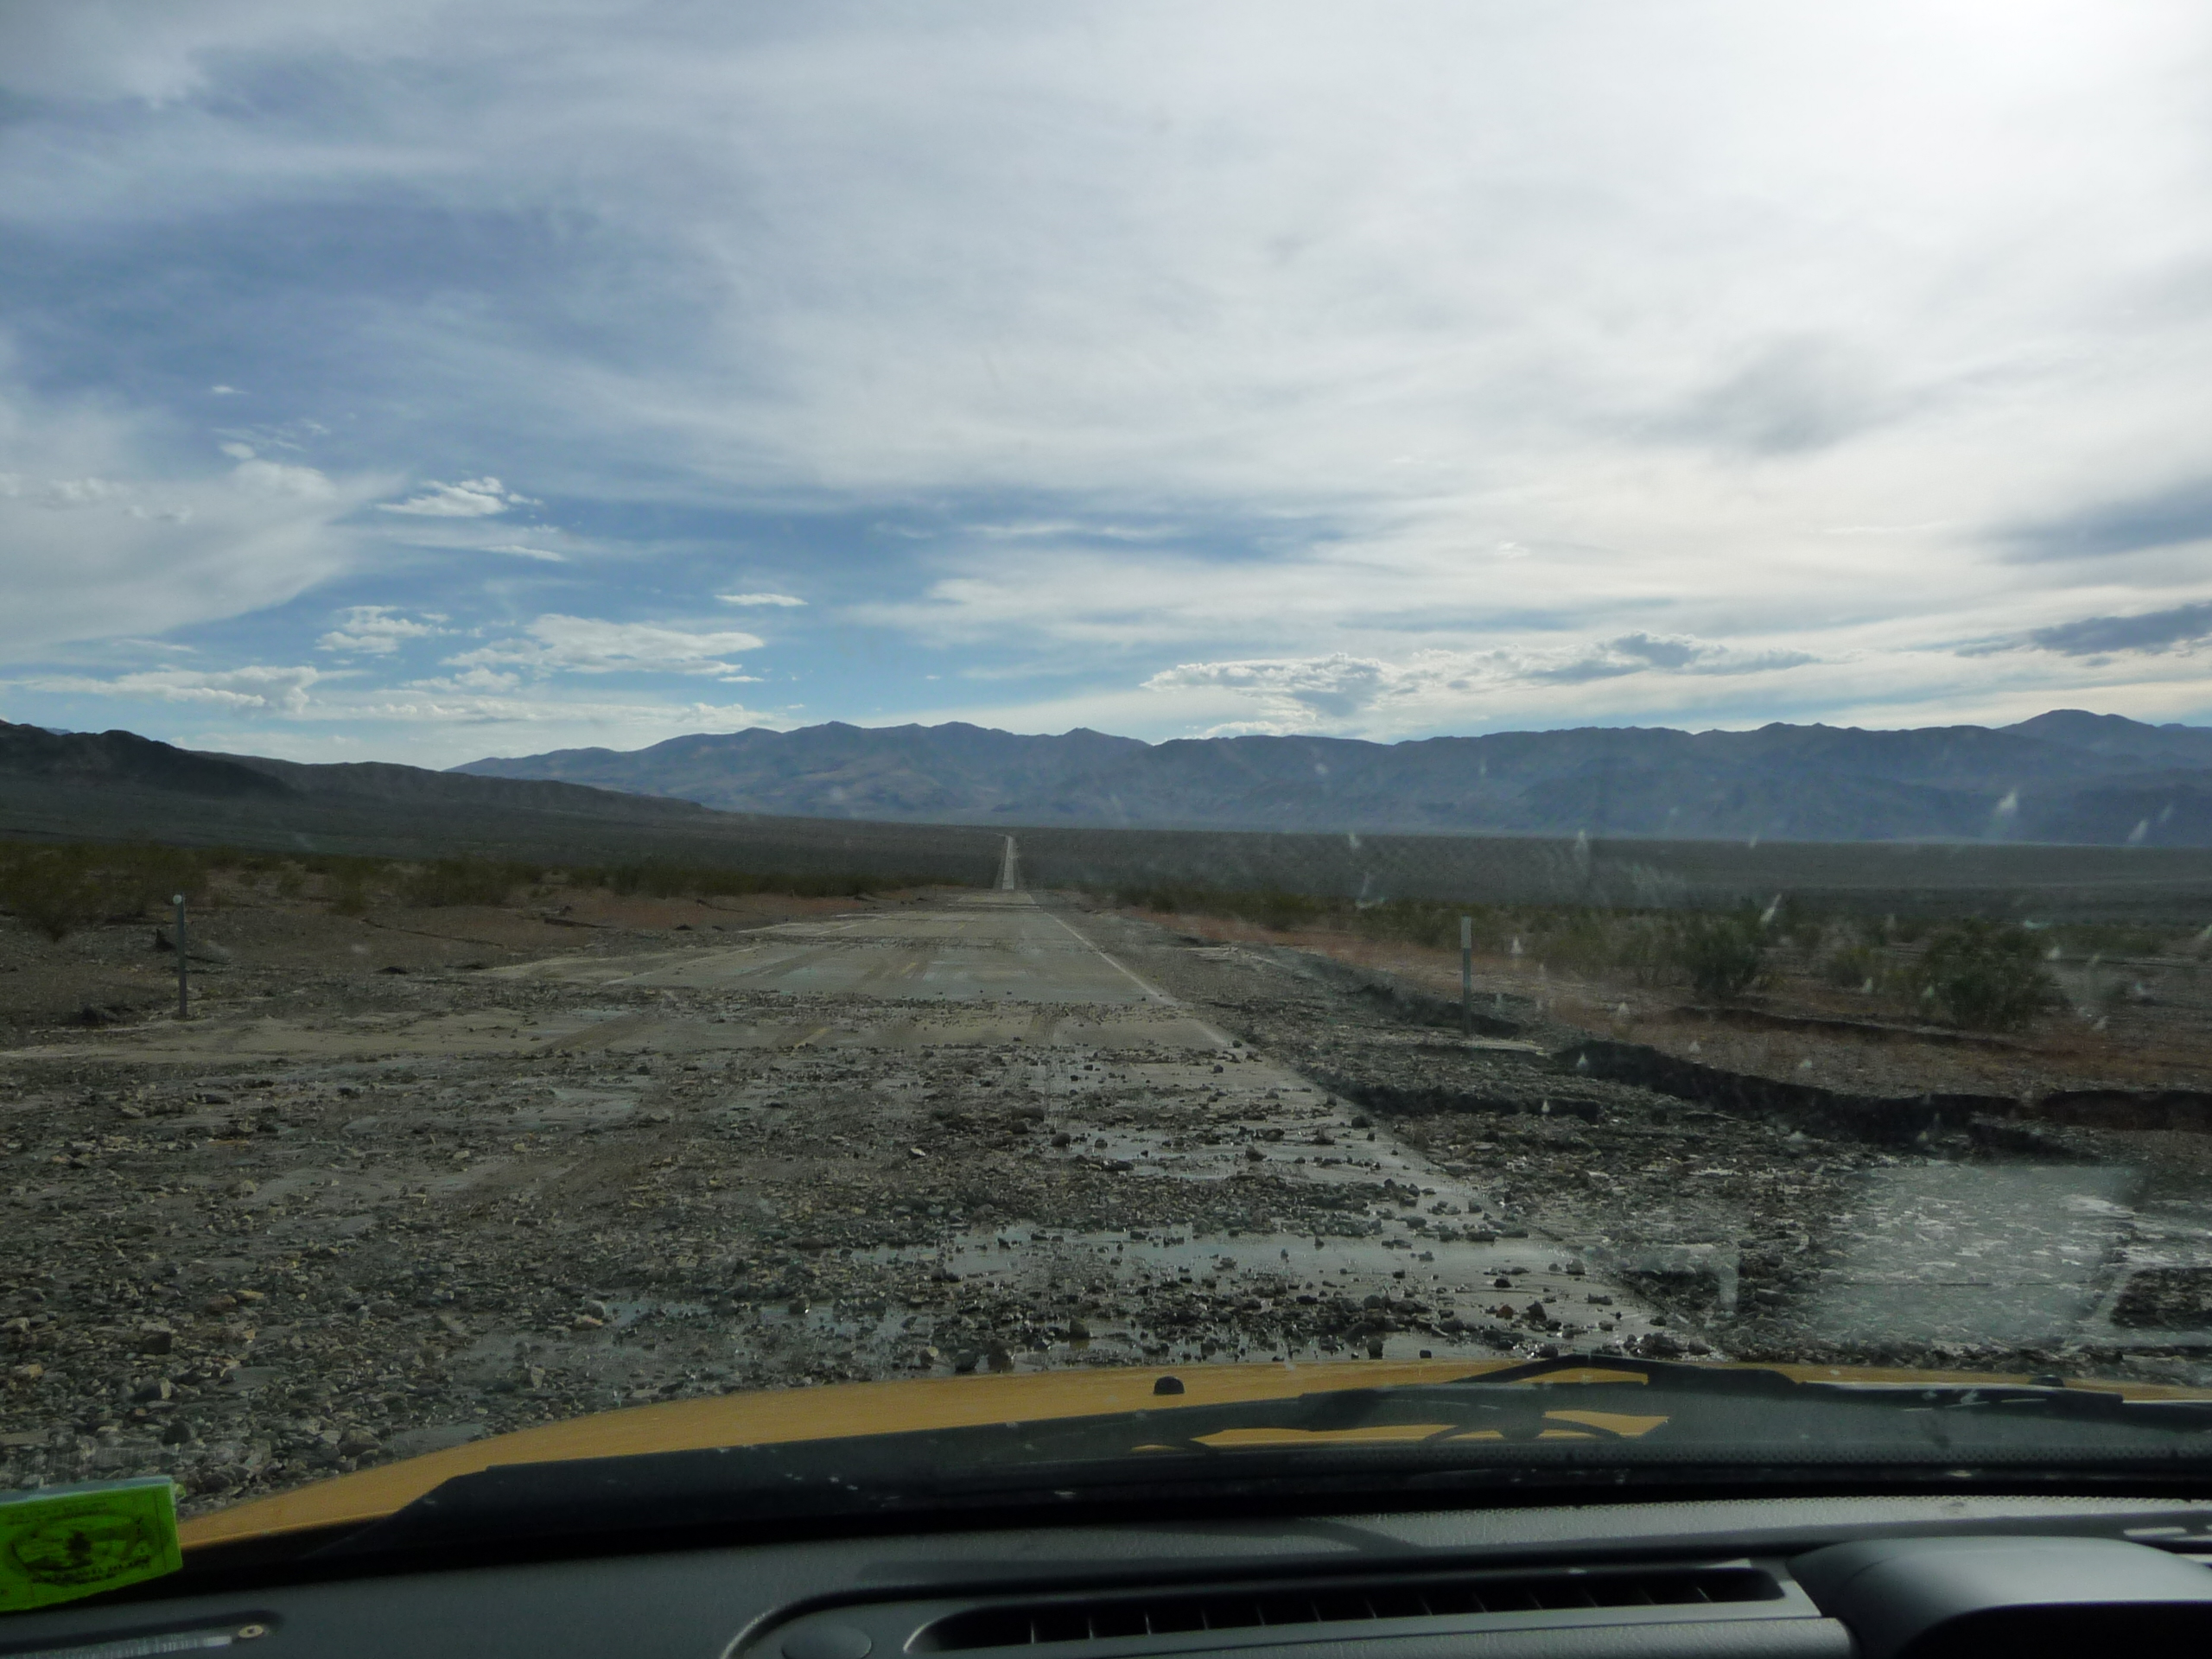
x=1466, y=976
x=183, y=989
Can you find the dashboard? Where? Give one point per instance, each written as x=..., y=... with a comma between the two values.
x=1856, y=1578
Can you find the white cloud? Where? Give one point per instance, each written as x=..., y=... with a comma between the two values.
x=430, y=722
x=1331, y=688
x=1639, y=653
x=1488, y=330
x=760, y=599
x=436, y=725
x=1065, y=530
x=63, y=493
x=102, y=538
x=257, y=690
x=271, y=478
x=377, y=630
x=471, y=680
x=1342, y=692
x=582, y=644
x=473, y=497
x=438, y=708
x=547, y=544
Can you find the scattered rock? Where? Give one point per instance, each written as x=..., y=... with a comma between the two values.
x=499, y=1241
x=195, y=948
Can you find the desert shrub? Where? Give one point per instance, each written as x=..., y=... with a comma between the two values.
x=53, y=889
x=658, y=879
x=2081, y=939
x=349, y=885
x=1429, y=922
x=1722, y=956
x=58, y=889
x=467, y=881
x=1283, y=912
x=1582, y=939
x=135, y=880
x=1579, y=941
x=1277, y=911
x=1792, y=920
x=1982, y=974
x=1644, y=949
x=654, y=881
x=1589, y=941
x=1853, y=967
x=1169, y=899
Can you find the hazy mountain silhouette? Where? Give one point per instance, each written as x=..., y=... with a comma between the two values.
x=2066, y=775
x=126, y=761
x=119, y=787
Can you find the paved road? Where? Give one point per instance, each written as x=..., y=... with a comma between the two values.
x=869, y=1007
x=986, y=969
x=982, y=946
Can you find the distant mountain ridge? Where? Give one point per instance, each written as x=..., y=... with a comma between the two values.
x=2067, y=775
x=125, y=760
x=120, y=786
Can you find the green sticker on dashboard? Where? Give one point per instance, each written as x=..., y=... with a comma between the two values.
x=67, y=1541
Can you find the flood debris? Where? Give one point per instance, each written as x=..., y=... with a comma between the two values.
x=346, y=1217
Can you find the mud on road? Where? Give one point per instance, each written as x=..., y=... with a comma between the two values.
x=337, y=1219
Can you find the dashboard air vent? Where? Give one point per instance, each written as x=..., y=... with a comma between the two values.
x=1105, y=1617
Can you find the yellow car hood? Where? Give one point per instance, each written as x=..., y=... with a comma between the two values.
x=837, y=1410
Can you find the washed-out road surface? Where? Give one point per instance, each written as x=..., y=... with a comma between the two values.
x=337, y=1220
x=306, y=1232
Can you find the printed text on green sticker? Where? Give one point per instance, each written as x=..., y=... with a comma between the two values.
x=69, y=1541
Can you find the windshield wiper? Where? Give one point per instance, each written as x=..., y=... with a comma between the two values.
x=1528, y=1429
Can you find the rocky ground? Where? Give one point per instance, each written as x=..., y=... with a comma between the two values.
x=2124, y=1017
x=348, y=1214
x=1622, y=1172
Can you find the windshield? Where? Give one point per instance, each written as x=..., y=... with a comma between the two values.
x=708, y=700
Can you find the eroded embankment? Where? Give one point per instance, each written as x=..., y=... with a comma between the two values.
x=1881, y=1120
x=1888, y=1121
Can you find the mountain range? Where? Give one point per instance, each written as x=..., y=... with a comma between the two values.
x=120, y=786
x=2066, y=777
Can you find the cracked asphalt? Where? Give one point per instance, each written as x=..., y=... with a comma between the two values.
x=327, y=1224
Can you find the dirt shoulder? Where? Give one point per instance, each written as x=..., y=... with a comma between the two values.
x=2128, y=1022
x=250, y=944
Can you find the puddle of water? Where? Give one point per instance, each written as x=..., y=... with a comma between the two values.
x=1977, y=1253
x=1107, y=1274
x=623, y=1311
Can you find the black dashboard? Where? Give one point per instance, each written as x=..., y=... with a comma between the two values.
x=1920, y=1578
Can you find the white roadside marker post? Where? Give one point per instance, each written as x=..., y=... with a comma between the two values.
x=1466, y=976
x=183, y=985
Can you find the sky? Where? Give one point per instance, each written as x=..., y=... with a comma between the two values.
x=425, y=381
